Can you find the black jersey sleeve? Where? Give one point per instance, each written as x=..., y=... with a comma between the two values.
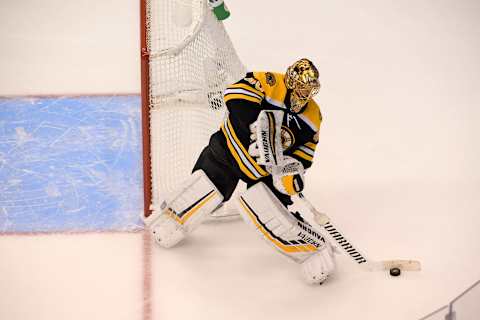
x=305, y=153
x=247, y=89
x=312, y=119
x=244, y=103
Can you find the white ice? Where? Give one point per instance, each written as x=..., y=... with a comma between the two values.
x=397, y=165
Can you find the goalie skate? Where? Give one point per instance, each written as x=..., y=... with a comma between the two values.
x=290, y=236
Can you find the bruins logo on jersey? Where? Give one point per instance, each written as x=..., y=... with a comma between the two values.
x=287, y=138
x=270, y=77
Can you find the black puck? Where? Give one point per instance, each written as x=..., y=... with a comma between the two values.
x=395, y=272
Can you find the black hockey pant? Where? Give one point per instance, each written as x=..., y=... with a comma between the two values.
x=225, y=176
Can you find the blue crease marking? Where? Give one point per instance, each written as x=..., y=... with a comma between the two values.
x=70, y=164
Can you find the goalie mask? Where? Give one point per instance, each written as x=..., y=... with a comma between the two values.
x=302, y=79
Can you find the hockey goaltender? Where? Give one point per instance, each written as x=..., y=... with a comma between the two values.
x=267, y=140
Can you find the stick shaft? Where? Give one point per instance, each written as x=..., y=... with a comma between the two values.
x=335, y=235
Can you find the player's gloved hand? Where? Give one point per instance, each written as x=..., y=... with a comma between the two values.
x=318, y=267
x=289, y=185
x=265, y=138
x=288, y=178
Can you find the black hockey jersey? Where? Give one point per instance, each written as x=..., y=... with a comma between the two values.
x=266, y=91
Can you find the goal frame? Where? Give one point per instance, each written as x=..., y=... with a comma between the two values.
x=187, y=69
x=145, y=105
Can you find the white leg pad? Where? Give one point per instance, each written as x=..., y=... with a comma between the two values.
x=263, y=211
x=184, y=211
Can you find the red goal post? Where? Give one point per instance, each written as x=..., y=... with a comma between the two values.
x=187, y=60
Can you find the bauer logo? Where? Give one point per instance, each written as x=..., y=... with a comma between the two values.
x=270, y=79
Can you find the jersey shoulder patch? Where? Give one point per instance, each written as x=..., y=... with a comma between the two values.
x=312, y=115
x=273, y=86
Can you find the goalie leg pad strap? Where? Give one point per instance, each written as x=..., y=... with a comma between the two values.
x=185, y=210
x=265, y=213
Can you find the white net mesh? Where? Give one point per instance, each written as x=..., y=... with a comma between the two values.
x=191, y=61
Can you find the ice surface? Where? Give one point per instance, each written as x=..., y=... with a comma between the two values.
x=396, y=169
x=70, y=163
x=71, y=276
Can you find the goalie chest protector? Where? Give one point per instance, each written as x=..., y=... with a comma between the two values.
x=259, y=91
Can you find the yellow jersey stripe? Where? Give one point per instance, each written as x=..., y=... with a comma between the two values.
x=278, y=244
x=234, y=153
x=246, y=87
x=306, y=150
x=245, y=152
x=233, y=96
x=311, y=145
x=241, y=91
x=303, y=155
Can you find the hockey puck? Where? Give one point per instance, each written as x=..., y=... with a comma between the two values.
x=395, y=272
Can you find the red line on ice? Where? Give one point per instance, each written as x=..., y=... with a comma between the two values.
x=147, y=276
x=146, y=259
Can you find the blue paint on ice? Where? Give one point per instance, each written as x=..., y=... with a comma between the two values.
x=70, y=164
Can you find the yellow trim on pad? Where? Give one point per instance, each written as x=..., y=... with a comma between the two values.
x=286, y=248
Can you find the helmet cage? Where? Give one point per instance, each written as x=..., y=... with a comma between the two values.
x=302, y=79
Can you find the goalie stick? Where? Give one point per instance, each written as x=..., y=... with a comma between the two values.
x=324, y=221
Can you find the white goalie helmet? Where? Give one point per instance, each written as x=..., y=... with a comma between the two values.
x=302, y=78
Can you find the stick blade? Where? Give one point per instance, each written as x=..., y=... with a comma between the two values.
x=404, y=265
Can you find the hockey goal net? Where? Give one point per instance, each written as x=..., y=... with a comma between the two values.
x=187, y=61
